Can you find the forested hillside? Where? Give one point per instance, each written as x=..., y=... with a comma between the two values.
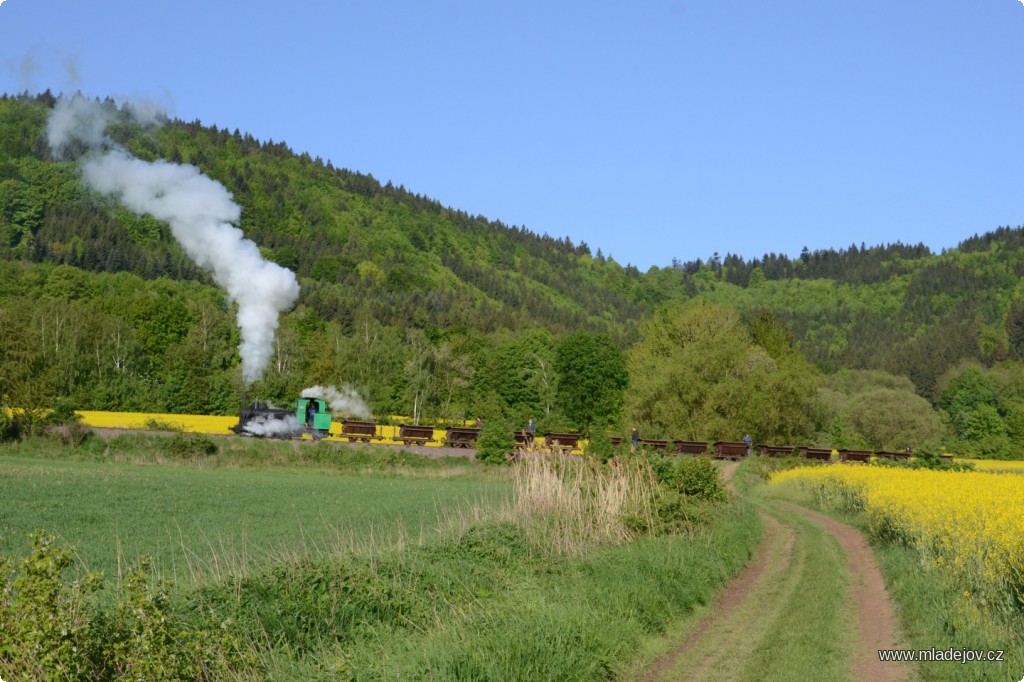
x=358, y=245
x=431, y=312
x=893, y=308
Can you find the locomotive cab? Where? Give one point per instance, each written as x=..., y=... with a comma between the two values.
x=314, y=415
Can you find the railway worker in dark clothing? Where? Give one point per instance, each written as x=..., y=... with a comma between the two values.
x=531, y=431
x=634, y=438
x=750, y=444
x=310, y=412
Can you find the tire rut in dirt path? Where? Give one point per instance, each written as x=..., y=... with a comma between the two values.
x=876, y=620
x=732, y=596
x=725, y=640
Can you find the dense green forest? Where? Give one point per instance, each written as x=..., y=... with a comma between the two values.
x=430, y=312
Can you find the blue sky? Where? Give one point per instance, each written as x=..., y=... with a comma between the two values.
x=652, y=130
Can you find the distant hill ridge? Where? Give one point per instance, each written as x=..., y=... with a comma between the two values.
x=364, y=250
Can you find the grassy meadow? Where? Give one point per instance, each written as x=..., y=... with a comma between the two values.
x=192, y=521
x=287, y=560
x=277, y=560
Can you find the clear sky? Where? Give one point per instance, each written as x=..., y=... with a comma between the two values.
x=651, y=129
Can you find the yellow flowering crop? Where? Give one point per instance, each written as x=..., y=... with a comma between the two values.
x=192, y=423
x=996, y=464
x=969, y=523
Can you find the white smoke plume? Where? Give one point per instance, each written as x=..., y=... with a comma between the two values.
x=270, y=426
x=344, y=401
x=76, y=119
x=201, y=214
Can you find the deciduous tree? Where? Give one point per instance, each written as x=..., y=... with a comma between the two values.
x=697, y=373
x=592, y=379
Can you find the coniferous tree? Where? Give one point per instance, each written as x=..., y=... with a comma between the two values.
x=1015, y=329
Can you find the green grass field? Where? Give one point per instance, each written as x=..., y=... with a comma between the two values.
x=286, y=561
x=216, y=519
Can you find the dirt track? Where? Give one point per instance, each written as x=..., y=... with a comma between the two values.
x=735, y=633
x=432, y=452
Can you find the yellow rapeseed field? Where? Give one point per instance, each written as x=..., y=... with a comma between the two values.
x=191, y=423
x=995, y=464
x=971, y=524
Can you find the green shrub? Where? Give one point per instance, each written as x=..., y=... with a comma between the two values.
x=53, y=629
x=63, y=412
x=188, y=446
x=998, y=446
x=147, y=639
x=44, y=624
x=27, y=422
x=600, y=446
x=664, y=469
x=7, y=429
x=496, y=442
x=692, y=476
x=699, y=478
x=674, y=513
x=689, y=490
x=158, y=425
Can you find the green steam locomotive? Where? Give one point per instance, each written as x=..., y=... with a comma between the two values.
x=306, y=416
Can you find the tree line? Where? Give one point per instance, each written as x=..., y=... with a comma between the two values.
x=435, y=313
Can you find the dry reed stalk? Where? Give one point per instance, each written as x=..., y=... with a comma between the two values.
x=572, y=504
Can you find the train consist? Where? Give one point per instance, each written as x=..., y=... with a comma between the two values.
x=312, y=417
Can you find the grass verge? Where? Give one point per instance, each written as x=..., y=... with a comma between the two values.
x=485, y=604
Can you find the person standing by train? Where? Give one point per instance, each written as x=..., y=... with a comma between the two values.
x=750, y=444
x=634, y=438
x=531, y=431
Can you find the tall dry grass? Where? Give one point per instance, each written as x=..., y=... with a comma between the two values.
x=571, y=504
